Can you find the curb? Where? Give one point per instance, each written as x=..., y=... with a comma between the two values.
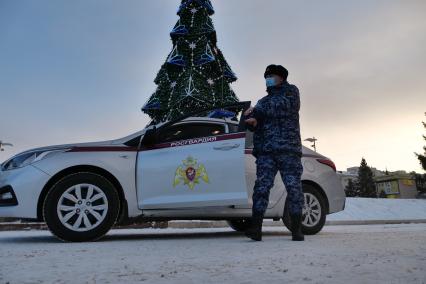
x=15, y=226
x=223, y=224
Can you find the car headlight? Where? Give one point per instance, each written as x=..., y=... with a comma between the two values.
x=28, y=158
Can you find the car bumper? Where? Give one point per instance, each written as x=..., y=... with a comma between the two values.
x=336, y=194
x=20, y=190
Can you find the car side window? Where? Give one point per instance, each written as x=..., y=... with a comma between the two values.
x=233, y=128
x=186, y=131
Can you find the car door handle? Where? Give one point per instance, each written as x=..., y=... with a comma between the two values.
x=226, y=147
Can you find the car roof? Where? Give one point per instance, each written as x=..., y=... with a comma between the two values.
x=200, y=119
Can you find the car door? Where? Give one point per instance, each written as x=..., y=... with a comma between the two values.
x=192, y=164
x=278, y=191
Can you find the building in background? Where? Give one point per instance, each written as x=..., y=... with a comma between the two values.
x=398, y=184
x=352, y=174
x=345, y=176
x=376, y=172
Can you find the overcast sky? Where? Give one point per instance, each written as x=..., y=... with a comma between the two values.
x=79, y=71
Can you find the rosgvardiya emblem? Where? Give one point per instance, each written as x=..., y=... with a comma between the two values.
x=190, y=173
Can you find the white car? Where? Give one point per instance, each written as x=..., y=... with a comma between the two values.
x=198, y=167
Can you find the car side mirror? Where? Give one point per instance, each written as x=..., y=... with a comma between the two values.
x=150, y=137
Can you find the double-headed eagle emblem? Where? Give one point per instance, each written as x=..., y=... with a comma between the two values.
x=190, y=173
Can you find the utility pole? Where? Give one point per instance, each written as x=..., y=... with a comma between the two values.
x=313, y=140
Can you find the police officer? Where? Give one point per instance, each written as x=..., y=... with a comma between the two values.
x=277, y=147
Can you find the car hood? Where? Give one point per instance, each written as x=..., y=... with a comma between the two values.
x=116, y=142
x=65, y=146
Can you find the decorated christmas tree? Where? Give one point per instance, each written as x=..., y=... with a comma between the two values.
x=195, y=75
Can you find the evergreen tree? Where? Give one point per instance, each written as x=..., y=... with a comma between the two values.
x=420, y=182
x=367, y=187
x=351, y=189
x=422, y=158
x=195, y=74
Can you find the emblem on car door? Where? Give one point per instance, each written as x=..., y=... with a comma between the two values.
x=190, y=173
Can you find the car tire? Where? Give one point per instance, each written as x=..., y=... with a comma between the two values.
x=239, y=225
x=81, y=207
x=316, y=222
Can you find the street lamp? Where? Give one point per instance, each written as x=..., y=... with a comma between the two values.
x=4, y=144
x=313, y=140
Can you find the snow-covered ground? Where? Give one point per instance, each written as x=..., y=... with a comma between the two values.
x=360, y=211
x=367, y=209
x=339, y=254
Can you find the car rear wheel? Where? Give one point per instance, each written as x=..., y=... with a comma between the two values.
x=314, y=211
x=239, y=225
x=81, y=207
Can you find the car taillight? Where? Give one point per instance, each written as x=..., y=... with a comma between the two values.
x=328, y=163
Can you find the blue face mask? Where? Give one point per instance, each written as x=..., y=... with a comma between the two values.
x=271, y=82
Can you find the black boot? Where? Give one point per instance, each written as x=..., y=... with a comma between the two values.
x=296, y=228
x=254, y=232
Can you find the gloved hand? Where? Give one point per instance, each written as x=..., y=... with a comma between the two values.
x=249, y=119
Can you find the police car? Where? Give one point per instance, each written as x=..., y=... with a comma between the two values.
x=197, y=167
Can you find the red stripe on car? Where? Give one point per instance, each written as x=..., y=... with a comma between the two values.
x=195, y=141
x=159, y=146
x=104, y=149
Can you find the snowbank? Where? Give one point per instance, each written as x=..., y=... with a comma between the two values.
x=367, y=209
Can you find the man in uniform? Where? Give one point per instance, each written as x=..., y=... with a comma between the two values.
x=277, y=147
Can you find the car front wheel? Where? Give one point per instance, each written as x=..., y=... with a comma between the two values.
x=81, y=207
x=314, y=211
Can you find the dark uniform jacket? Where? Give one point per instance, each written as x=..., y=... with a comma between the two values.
x=278, y=129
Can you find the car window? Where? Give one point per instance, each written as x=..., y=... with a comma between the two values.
x=133, y=142
x=233, y=127
x=186, y=131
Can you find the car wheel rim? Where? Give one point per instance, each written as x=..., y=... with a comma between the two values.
x=82, y=207
x=311, y=210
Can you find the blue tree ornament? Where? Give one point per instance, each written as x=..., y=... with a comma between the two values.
x=207, y=57
x=179, y=29
x=229, y=74
x=221, y=113
x=175, y=58
x=152, y=106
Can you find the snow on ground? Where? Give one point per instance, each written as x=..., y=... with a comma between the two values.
x=339, y=254
x=365, y=209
